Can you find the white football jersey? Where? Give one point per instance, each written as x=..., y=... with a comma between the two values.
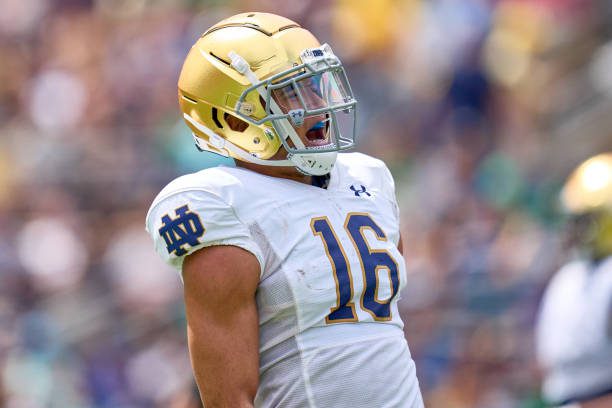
x=574, y=332
x=331, y=274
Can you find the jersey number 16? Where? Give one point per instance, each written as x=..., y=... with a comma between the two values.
x=372, y=261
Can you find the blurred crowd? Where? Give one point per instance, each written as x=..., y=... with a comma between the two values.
x=479, y=107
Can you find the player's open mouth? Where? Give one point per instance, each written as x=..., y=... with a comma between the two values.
x=317, y=135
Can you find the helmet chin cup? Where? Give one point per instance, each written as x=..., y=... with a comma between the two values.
x=313, y=164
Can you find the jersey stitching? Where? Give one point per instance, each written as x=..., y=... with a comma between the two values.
x=305, y=376
x=307, y=385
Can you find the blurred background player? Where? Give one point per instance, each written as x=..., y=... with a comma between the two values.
x=574, y=329
x=291, y=282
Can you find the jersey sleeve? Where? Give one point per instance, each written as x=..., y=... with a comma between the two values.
x=183, y=222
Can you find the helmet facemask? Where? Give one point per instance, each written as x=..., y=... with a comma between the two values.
x=314, y=97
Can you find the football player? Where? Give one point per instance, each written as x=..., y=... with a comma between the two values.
x=291, y=261
x=574, y=327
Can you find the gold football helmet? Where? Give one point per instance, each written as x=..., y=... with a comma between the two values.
x=255, y=82
x=589, y=187
x=587, y=195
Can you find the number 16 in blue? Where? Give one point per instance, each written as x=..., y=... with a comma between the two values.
x=371, y=261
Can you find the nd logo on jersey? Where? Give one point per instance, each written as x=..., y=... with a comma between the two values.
x=183, y=230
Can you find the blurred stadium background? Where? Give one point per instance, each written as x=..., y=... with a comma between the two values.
x=480, y=108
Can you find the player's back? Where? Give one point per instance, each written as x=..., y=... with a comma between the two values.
x=330, y=331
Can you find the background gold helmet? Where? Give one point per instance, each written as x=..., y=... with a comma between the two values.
x=587, y=195
x=231, y=85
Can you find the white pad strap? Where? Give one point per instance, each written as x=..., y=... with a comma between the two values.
x=219, y=143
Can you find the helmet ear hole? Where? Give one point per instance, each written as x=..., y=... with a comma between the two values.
x=234, y=123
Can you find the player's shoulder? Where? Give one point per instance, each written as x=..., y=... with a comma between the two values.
x=605, y=268
x=572, y=281
x=572, y=277
x=198, y=210
x=366, y=170
x=212, y=180
x=356, y=160
x=213, y=187
x=570, y=274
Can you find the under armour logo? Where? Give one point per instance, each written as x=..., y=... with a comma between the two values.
x=359, y=192
x=297, y=117
x=183, y=230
